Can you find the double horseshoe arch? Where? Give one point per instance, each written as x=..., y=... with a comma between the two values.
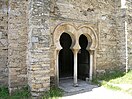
x=75, y=33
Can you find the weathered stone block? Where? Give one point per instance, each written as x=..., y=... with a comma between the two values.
x=28, y=44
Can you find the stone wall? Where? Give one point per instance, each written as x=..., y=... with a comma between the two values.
x=17, y=38
x=39, y=46
x=105, y=17
x=129, y=30
x=3, y=42
x=31, y=47
x=111, y=52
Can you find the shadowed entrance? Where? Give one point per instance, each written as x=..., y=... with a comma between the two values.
x=73, y=31
x=83, y=59
x=66, y=61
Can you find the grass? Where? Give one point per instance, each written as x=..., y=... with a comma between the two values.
x=115, y=78
x=107, y=80
x=4, y=94
x=106, y=77
x=53, y=93
x=126, y=79
x=18, y=94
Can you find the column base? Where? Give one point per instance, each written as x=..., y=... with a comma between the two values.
x=75, y=85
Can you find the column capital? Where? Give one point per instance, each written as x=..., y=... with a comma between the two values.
x=91, y=51
x=58, y=49
x=75, y=50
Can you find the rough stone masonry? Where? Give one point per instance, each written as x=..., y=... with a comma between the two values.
x=30, y=32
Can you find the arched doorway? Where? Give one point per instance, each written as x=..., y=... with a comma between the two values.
x=83, y=59
x=74, y=32
x=66, y=60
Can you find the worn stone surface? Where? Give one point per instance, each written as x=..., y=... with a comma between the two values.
x=28, y=44
x=129, y=30
x=67, y=86
x=44, y=16
x=39, y=46
x=17, y=39
x=3, y=43
x=105, y=17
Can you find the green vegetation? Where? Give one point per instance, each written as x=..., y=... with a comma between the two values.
x=18, y=94
x=112, y=80
x=106, y=77
x=126, y=79
x=53, y=93
x=4, y=93
x=116, y=80
x=23, y=93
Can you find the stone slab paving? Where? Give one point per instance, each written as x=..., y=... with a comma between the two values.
x=87, y=91
x=99, y=93
x=67, y=86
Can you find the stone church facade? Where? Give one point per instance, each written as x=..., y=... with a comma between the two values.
x=34, y=37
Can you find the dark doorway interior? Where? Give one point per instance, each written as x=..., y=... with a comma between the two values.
x=66, y=61
x=83, y=59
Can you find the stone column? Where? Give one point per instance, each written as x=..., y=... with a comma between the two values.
x=57, y=66
x=91, y=65
x=94, y=62
x=75, y=51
